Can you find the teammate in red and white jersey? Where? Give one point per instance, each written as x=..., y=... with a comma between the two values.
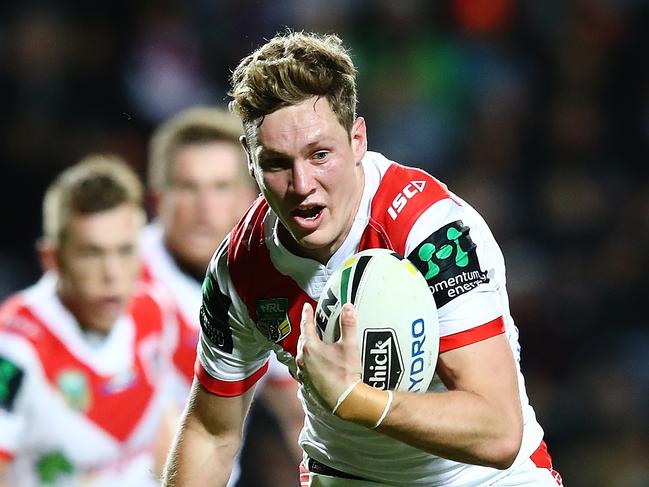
x=85, y=352
x=201, y=188
x=325, y=197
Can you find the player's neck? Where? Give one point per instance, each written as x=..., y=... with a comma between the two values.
x=91, y=332
x=190, y=269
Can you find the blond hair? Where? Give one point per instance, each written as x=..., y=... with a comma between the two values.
x=198, y=125
x=290, y=68
x=97, y=183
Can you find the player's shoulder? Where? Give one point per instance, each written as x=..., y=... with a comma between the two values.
x=151, y=304
x=401, y=197
x=403, y=191
x=408, y=183
x=25, y=340
x=244, y=251
x=248, y=233
x=12, y=306
x=17, y=317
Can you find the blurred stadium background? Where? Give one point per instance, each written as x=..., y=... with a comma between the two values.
x=536, y=112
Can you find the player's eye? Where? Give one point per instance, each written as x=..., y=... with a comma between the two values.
x=320, y=155
x=274, y=164
x=126, y=250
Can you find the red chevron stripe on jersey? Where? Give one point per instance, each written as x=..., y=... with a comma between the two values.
x=116, y=412
x=184, y=354
x=254, y=276
x=404, y=194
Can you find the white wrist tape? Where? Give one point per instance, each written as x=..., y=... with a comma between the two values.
x=388, y=405
x=344, y=395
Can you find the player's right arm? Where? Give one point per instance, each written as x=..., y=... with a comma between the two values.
x=229, y=363
x=208, y=439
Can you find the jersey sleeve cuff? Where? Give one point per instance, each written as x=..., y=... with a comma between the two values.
x=227, y=388
x=472, y=335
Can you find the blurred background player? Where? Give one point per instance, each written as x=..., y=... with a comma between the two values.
x=200, y=188
x=84, y=351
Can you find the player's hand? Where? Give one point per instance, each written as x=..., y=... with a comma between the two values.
x=330, y=367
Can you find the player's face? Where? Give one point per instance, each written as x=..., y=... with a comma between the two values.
x=98, y=264
x=310, y=172
x=209, y=192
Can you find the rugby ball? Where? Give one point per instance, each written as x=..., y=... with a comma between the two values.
x=397, y=326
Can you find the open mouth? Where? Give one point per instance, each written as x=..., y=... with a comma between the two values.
x=311, y=213
x=109, y=303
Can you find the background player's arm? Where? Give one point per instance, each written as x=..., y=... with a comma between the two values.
x=4, y=466
x=478, y=421
x=208, y=439
x=280, y=397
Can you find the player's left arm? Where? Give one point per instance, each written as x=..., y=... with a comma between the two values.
x=478, y=421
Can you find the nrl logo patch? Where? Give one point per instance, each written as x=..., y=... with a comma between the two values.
x=272, y=318
x=74, y=387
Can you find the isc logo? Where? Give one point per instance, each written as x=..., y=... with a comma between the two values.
x=401, y=199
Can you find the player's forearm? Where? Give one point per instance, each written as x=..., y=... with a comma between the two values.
x=198, y=459
x=479, y=419
x=458, y=425
x=4, y=466
x=208, y=439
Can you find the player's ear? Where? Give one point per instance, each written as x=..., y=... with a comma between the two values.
x=246, y=148
x=47, y=254
x=359, y=139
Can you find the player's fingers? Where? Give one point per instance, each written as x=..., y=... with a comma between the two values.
x=300, y=374
x=307, y=325
x=300, y=350
x=348, y=324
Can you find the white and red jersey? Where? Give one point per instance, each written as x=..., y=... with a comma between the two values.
x=159, y=266
x=76, y=409
x=256, y=288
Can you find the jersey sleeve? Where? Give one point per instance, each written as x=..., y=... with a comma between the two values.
x=18, y=375
x=454, y=250
x=231, y=355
